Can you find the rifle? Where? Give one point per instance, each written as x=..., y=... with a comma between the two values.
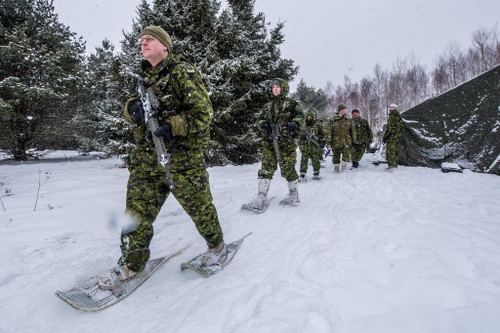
x=274, y=137
x=151, y=106
x=309, y=138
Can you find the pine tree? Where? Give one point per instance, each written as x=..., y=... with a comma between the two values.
x=254, y=59
x=101, y=125
x=312, y=100
x=236, y=56
x=39, y=86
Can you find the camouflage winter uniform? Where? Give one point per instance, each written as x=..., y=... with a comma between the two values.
x=181, y=94
x=341, y=135
x=311, y=142
x=281, y=111
x=364, y=135
x=392, y=136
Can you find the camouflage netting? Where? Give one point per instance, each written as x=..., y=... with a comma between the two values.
x=460, y=126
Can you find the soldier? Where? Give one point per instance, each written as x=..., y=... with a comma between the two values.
x=312, y=142
x=363, y=134
x=184, y=117
x=280, y=123
x=341, y=135
x=392, y=136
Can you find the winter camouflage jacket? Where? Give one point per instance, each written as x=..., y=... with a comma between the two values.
x=395, y=127
x=341, y=132
x=180, y=92
x=363, y=131
x=281, y=111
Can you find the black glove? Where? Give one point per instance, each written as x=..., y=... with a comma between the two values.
x=266, y=128
x=164, y=131
x=136, y=111
x=322, y=144
x=293, y=127
x=303, y=137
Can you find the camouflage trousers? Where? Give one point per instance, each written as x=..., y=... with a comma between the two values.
x=391, y=153
x=146, y=194
x=344, y=152
x=312, y=152
x=357, y=152
x=288, y=151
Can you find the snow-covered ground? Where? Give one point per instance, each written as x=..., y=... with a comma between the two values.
x=366, y=251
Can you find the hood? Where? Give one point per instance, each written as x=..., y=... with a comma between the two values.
x=284, y=87
x=313, y=118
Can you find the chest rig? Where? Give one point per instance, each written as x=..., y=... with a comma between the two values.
x=161, y=83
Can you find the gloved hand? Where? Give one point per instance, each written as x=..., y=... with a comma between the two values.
x=322, y=144
x=136, y=111
x=293, y=127
x=266, y=128
x=164, y=131
x=303, y=137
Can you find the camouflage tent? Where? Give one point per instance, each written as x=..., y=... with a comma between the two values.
x=462, y=126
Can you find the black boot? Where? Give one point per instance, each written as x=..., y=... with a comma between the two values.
x=302, y=178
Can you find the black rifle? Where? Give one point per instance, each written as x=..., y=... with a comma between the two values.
x=309, y=138
x=151, y=106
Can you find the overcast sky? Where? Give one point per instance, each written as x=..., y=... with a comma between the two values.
x=327, y=39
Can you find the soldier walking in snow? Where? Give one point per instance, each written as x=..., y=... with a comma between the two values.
x=392, y=136
x=184, y=115
x=311, y=146
x=280, y=123
x=341, y=135
x=363, y=134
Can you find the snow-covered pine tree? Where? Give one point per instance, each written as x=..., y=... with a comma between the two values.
x=39, y=80
x=312, y=100
x=130, y=57
x=101, y=125
x=237, y=83
x=236, y=56
x=250, y=59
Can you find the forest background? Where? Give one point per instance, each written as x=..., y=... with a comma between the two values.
x=55, y=96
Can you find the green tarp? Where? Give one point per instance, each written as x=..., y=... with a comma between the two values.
x=461, y=125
